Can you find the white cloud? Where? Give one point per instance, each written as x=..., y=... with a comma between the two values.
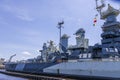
x=25, y=17
x=23, y=14
x=19, y=12
x=26, y=53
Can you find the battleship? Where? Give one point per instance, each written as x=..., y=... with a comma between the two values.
x=100, y=60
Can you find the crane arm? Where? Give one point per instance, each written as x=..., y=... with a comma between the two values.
x=11, y=57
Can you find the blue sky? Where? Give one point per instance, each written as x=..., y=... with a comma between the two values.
x=26, y=24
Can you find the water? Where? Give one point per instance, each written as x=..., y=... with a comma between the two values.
x=7, y=77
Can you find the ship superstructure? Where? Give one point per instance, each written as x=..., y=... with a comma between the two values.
x=104, y=58
x=110, y=46
x=100, y=60
x=81, y=46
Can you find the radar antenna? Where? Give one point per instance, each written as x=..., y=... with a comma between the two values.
x=60, y=27
x=100, y=7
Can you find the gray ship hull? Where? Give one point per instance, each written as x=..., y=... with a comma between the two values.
x=110, y=69
x=27, y=67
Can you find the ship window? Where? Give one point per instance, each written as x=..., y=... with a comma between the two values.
x=80, y=56
x=111, y=50
x=89, y=55
x=119, y=30
x=116, y=50
x=84, y=55
x=106, y=49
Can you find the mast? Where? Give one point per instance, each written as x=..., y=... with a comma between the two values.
x=100, y=7
x=60, y=32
